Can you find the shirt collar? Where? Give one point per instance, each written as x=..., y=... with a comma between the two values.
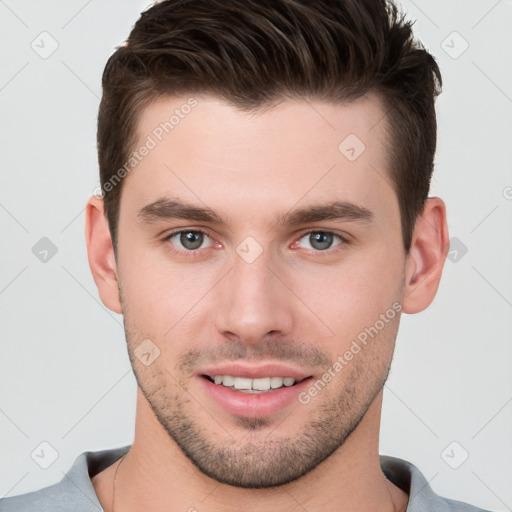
x=77, y=481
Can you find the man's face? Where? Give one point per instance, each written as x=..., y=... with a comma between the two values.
x=253, y=297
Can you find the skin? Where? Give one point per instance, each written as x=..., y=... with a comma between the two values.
x=283, y=307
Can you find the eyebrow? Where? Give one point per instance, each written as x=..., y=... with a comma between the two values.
x=167, y=209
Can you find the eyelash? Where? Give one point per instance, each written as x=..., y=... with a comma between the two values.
x=193, y=253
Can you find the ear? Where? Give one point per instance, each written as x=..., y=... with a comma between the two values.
x=425, y=261
x=100, y=253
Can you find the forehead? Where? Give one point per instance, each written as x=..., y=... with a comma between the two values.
x=209, y=119
x=207, y=151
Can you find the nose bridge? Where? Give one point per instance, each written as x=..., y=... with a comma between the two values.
x=251, y=301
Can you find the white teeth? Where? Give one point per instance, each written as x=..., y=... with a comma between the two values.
x=228, y=380
x=241, y=383
x=276, y=382
x=261, y=384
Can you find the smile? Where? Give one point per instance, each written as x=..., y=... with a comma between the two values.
x=260, y=395
x=248, y=385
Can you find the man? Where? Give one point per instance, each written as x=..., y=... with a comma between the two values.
x=264, y=220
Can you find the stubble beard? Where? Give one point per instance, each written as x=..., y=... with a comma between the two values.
x=259, y=459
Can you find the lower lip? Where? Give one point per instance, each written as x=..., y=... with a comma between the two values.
x=253, y=405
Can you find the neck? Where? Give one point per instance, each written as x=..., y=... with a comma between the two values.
x=156, y=476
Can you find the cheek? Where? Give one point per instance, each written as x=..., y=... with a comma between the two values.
x=352, y=295
x=161, y=297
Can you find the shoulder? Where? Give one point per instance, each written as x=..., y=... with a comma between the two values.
x=74, y=492
x=421, y=496
x=47, y=499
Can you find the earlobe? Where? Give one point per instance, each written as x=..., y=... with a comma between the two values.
x=100, y=253
x=426, y=258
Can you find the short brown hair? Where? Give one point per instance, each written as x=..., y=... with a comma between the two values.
x=252, y=53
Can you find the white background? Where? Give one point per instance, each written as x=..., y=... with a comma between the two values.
x=65, y=377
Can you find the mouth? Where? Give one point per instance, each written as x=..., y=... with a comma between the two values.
x=253, y=392
x=248, y=385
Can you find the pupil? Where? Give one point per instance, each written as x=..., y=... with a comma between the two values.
x=323, y=239
x=191, y=240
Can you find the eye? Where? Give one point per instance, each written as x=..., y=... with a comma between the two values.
x=322, y=240
x=190, y=240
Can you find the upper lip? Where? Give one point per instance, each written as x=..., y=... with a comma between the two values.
x=253, y=371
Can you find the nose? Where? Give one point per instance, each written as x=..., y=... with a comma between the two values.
x=254, y=301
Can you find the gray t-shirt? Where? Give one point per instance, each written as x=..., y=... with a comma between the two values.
x=75, y=492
